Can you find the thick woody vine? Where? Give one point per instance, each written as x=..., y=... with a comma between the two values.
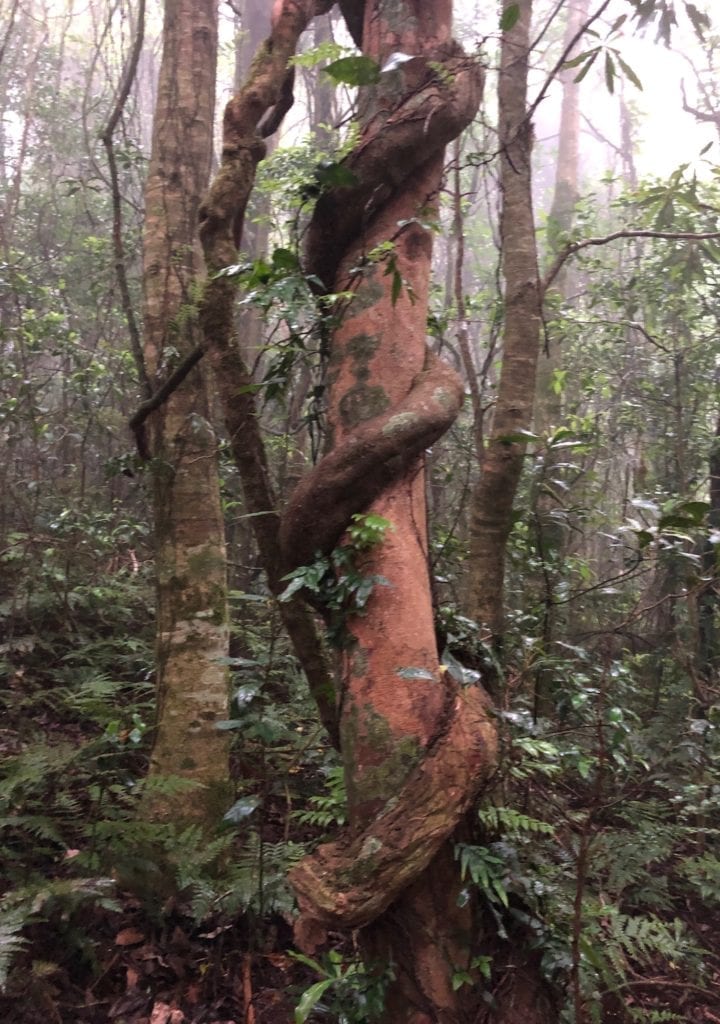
x=348, y=883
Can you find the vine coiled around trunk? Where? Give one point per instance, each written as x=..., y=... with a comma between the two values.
x=350, y=882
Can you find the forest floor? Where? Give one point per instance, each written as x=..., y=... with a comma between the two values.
x=97, y=965
x=136, y=973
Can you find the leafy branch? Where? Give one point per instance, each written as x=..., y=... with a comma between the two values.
x=574, y=247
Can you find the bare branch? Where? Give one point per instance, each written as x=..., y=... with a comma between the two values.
x=106, y=137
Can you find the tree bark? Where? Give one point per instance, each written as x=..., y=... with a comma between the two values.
x=253, y=113
x=549, y=515
x=416, y=747
x=192, y=622
x=494, y=494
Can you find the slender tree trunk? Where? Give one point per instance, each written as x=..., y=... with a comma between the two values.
x=491, y=513
x=548, y=407
x=708, y=642
x=254, y=113
x=550, y=528
x=192, y=630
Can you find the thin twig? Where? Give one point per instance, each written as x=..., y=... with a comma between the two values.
x=137, y=420
x=106, y=137
x=564, y=56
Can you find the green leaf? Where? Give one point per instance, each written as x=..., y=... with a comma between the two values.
x=519, y=437
x=580, y=59
x=284, y=259
x=396, y=287
x=482, y=964
x=459, y=979
x=610, y=73
x=310, y=997
x=696, y=511
x=308, y=961
x=291, y=589
x=628, y=72
x=356, y=70
x=335, y=175
x=592, y=57
x=509, y=17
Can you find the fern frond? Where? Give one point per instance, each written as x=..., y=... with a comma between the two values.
x=12, y=922
x=32, y=768
x=643, y=1016
x=21, y=907
x=34, y=825
x=512, y=823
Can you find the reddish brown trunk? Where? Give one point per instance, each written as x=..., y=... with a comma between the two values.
x=413, y=762
x=416, y=745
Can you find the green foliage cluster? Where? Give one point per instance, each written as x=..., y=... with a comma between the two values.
x=337, y=583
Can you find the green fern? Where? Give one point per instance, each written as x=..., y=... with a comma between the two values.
x=12, y=922
x=328, y=809
x=32, y=768
x=255, y=880
x=612, y=939
x=637, y=1013
x=38, y=902
x=510, y=822
x=704, y=874
x=34, y=825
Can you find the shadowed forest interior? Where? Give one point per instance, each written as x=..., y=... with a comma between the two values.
x=359, y=512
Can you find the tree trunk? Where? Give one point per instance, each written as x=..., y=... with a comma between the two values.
x=416, y=748
x=549, y=401
x=492, y=503
x=707, y=659
x=192, y=628
x=253, y=114
x=550, y=525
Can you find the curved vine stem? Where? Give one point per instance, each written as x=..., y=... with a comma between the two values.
x=378, y=452
x=260, y=102
x=107, y=139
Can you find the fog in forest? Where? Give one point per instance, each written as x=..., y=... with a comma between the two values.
x=359, y=512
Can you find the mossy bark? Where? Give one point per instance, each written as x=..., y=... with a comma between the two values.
x=502, y=460
x=192, y=626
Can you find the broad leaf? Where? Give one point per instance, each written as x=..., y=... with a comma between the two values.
x=356, y=70
x=509, y=17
